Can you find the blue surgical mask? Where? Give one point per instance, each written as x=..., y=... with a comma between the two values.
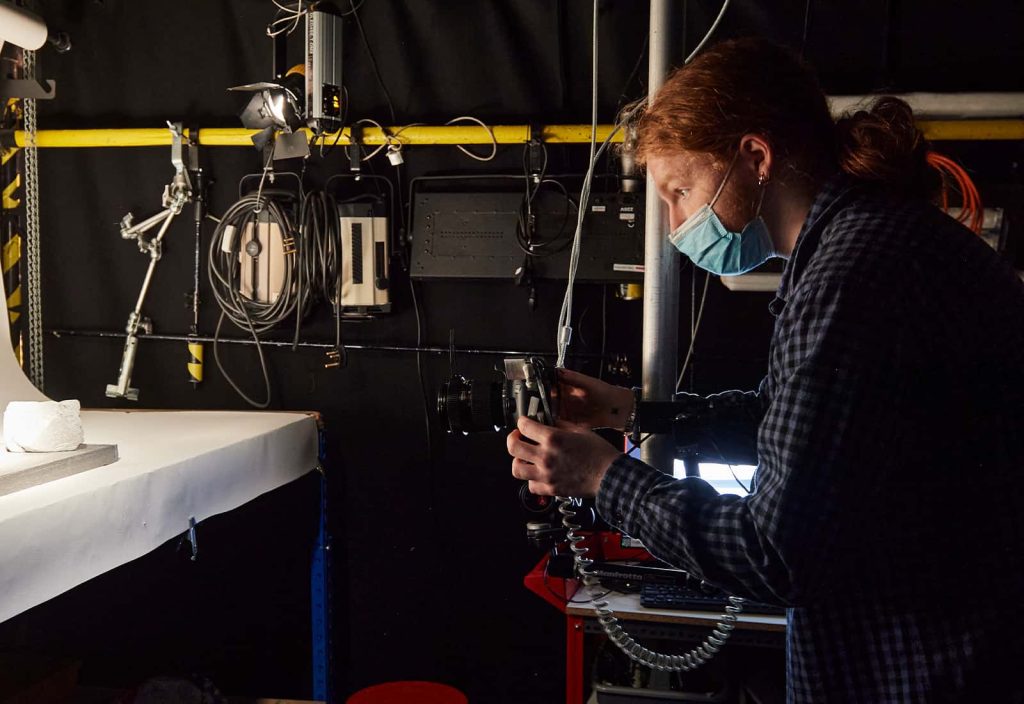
x=711, y=246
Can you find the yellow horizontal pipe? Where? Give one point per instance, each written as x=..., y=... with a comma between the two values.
x=457, y=134
x=238, y=137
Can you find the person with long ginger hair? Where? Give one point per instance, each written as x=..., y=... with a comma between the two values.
x=887, y=511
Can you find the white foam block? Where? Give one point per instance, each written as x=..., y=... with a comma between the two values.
x=42, y=426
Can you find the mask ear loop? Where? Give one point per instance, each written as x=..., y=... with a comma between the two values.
x=725, y=180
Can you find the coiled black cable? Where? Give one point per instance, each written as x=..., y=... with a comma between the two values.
x=224, y=269
x=319, y=260
x=312, y=271
x=319, y=247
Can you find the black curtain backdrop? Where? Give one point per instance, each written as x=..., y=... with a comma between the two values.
x=430, y=548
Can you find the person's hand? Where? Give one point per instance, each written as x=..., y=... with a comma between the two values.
x=588, y=401
x=565, y=460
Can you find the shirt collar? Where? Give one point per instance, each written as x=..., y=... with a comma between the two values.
x=823, y=209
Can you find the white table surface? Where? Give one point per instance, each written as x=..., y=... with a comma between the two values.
x=174, y=465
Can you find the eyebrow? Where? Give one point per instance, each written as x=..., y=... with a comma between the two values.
x=675, y=183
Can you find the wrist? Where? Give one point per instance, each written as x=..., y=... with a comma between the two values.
x=622, y=409
x=634, y=404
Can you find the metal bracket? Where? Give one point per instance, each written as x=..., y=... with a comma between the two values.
x=192, y=537
x=28, y=88
x=355, y=152
x=535, y=152
x=180, y=180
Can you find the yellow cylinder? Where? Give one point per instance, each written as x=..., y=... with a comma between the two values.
x=195, y=362
x=631, y=292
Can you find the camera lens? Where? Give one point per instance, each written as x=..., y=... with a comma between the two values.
x=470, y=406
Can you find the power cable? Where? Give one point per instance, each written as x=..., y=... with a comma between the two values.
x=694, y=330
x=710, y=32
x=373, y=60
x=419, y=368
x=224, y=272
x=565, y=316
x=494, y=140
x=732, y=468
x=807, y=27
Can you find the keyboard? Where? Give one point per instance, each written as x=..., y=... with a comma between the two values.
x=655, y=595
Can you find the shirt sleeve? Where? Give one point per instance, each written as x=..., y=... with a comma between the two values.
x=835, y=347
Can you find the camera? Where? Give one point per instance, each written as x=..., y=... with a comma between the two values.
x=472, y=405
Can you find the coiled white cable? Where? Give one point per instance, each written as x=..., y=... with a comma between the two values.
x=691, y=660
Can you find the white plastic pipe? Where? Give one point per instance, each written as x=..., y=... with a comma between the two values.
x=20, y=27
x=942, y=105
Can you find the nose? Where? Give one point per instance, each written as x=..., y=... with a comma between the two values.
x=676, y=217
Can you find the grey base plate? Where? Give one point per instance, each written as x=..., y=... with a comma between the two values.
x=23, y=470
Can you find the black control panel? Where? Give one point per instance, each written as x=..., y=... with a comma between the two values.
x=489, y=236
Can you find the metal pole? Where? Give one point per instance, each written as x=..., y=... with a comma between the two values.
x=371, y=347
x=661, y=269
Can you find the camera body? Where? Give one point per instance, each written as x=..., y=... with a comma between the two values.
x=525, y=389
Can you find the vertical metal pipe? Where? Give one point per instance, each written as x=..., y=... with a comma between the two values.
x=661, y=267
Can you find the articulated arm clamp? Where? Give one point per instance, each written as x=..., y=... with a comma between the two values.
x=176, y=194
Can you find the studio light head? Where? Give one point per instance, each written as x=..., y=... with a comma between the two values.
x=308, y=94
x=275, y=105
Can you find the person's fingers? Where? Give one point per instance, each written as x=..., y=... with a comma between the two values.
x=541, y=489
x=525, y=470
x=519, y=447
x=529, y=472
x=534, y=430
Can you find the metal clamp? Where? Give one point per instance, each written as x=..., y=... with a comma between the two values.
x=192, y=538
x=176, y=194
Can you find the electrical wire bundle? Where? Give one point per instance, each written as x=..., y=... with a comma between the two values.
x=311, y=251
x=526, y=226
x=287, y=18
x=224, y=268
x=971, y=213
x=319, y=261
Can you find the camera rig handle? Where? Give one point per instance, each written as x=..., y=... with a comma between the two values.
x=530, y=392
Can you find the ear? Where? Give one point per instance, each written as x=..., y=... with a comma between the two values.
x=756, y=157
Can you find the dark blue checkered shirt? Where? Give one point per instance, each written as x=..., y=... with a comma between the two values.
x=888, y=507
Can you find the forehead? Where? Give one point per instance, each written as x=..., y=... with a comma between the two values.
x=667, y=167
